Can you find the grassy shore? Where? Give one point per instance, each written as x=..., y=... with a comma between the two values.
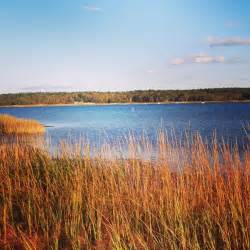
x=12, y=125
x=191, y=196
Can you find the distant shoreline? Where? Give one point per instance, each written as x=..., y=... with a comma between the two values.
x=118, y=103
x=135, y=97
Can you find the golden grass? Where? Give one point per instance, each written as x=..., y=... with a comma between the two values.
x=65, y=202
x=12, y=125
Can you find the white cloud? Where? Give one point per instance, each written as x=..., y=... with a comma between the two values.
x=199, y=59
x=203, y=58
x=233, y=41
x=177, y=61
x=92, y=8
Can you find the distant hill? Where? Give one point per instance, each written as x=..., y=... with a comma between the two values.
x=137, y=96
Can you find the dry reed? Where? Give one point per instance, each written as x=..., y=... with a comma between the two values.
x=78, y=202
x=12, y=125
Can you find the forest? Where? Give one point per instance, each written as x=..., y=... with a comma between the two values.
x=135, y=96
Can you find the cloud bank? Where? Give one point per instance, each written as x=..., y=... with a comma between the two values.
x=198, y=59
x=234, y=41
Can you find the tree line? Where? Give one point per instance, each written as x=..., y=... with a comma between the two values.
x=136, y=96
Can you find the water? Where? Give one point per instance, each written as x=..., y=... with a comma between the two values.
x=111, y=122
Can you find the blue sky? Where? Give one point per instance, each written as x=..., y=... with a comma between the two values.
x=58, y=45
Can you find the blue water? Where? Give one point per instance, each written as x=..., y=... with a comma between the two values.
x=115, y=121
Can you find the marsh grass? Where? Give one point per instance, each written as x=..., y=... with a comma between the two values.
x=178, y=201
x=10, y=125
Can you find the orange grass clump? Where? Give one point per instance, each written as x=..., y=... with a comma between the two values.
x=12, y=125
x=66, y=202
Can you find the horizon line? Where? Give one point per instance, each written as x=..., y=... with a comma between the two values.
x=116, y=91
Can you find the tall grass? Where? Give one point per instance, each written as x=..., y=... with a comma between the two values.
x=176, y=201
x=12, y=125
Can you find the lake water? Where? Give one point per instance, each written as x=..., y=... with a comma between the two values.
x=111, y=122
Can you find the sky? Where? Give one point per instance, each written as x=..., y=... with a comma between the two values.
x=110, y=45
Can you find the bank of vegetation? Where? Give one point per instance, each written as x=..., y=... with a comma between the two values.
x=191, y=196
x=10, y=125
x=138, y=96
